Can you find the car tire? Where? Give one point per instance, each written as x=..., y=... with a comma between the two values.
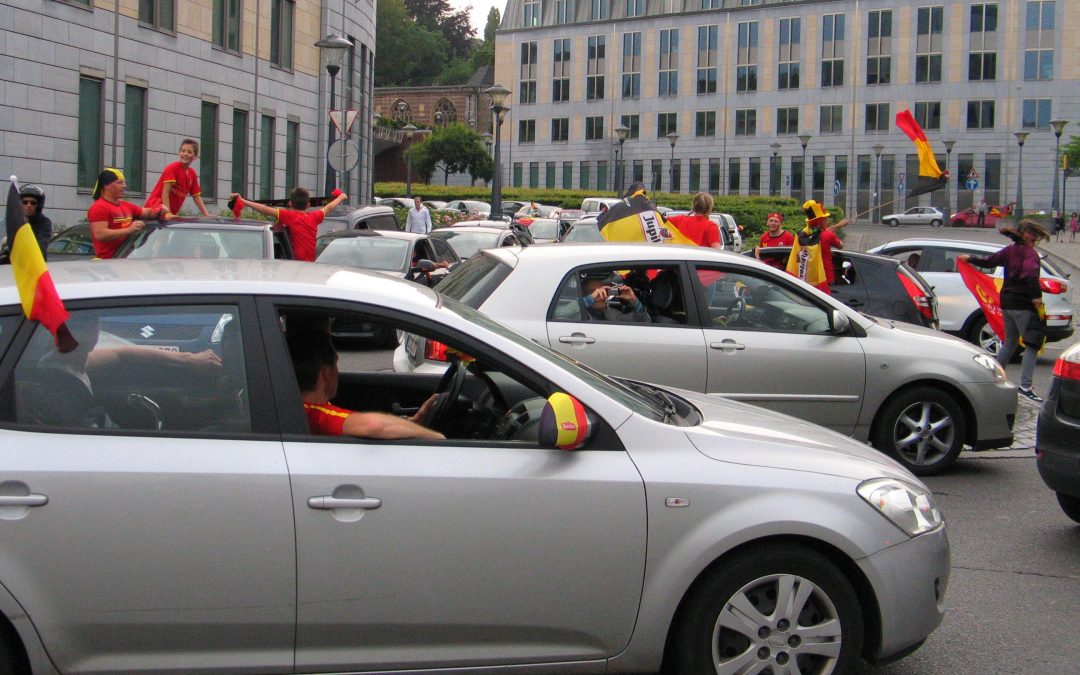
x=936, y=222
x=922, y=428
x=982, y=335
x=892, y=222
x=1070, y=505
x=732, y=618
x=958, y=223
x=13, y=657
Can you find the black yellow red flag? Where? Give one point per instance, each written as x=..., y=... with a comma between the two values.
x=931, y=177
x=38, y=295
x=635, y=218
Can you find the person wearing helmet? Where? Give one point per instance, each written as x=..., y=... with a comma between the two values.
x=33, y=203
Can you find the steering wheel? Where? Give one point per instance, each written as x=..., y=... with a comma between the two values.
x=737, y=309
x=447, y=391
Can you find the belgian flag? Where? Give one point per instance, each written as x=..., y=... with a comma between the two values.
x=931, y=177
x=37, y=293
x=636, y=219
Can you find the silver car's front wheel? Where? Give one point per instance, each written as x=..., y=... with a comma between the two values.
x=922, y=428
x=984, y=336
x=781, y=610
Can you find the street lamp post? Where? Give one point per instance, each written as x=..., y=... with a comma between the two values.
x=805, y=140
x=1059, y=126
x=773, y=173
x=1021, y=136
x=332, y=49
x=487, y=140
x=948, y=195
x=878, y=149
x=672, y=138
x=621, y=132
x=409, y=130
x=498, y=95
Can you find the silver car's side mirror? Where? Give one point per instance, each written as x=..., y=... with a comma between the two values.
x=839, y=323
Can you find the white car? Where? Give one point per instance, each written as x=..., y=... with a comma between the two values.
x=469, y=206
x=566, y=523
x=916, y=215
x=958, y=311
x=726, y=324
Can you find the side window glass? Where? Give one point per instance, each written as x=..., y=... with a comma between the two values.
x=736, y=300
x=167, y=369
x=282, y=250
x=624, y=294
x=846, y=272
x=7, y=328
x=443, y=252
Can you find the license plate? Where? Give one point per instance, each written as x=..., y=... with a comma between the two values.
x=412, y=347
x=166, y=348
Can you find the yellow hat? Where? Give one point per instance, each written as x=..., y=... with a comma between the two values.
x=814, y=211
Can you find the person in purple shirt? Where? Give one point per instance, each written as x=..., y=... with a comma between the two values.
x=1021, y=297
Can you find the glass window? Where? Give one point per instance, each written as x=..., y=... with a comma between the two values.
x=667, y=123
x=560, y=129
x=527, y=83
x=980, y=115
x=239, y=151
x=790, y=53
x=532, y=14
x=832, y=50
x=226, y=30
x=1036, y=113
x=929, y=44
x=631, y=65
x=705, y=123
x=832, y=119
x=266, y=158
x=669, y=63
x=281, y=33
x=734, y=177
x=928, y=114
x=741, y=300
x=208, y=142
x=745, y=122
x=160, y=14
x=163, y=369
x=747, y=57
x=90, y=131
x=135, y=138
x=787, y=121
x=594, y=128
x=647, y=296
x=583, y=176
x=633, y=123
x=564, y=11
x=596, y=65
x=560, y=83
x=598, y=10
x=877, y=117
x=526, y=131
x=707, y=59
x=292, y=155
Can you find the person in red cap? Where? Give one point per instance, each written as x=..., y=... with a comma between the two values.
x=301, y=225
x=697, y=225
x=112, y=220
x=179, y=180
x=774, y=235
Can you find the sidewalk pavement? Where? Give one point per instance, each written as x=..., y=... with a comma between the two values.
x=1065, y=253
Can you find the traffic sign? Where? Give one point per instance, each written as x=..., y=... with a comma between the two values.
x=836, y=188
x=343, y=155
x=972, y=184
x=787, y=181
x=343, y=120
x=973, y=174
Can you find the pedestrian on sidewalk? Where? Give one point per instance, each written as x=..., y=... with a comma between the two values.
x=1059, y=226
x=1021, y=298
x=418, y=219
x=1074, y=225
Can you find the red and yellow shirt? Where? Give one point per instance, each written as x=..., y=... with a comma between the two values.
x=118, y=216
x=303, y=227
x=184, y=182
x=325, y=419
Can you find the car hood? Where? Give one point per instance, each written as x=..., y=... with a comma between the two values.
x=746, y=434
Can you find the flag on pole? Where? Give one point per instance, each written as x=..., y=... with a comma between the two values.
x=931, y=177
x=38, y=295
x=636, y=219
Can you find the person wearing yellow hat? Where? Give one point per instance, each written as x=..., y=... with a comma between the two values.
x=811, y=253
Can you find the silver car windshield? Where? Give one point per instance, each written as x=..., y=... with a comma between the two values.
x=165, y=242
x=544, y=229
x=613, y=389
x=468, y=243
x=370, y=253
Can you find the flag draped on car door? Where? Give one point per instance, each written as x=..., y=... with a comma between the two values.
x=40, y=301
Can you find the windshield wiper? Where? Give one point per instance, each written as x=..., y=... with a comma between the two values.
x=658, y=396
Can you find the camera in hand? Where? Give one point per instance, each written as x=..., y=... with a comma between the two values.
x=613, y=287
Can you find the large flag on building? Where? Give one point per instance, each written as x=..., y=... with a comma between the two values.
x=635, y=218
x=38, y=295
x=931, y=177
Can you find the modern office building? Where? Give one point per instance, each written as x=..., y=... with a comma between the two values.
x=790, y=97
x=94, y=83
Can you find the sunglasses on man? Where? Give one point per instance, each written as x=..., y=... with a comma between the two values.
x=29, y=202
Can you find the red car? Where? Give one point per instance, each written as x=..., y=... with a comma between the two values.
x=969, y=218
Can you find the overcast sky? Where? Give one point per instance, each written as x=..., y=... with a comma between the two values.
x=480, y=9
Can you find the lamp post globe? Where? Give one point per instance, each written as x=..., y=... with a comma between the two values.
x=804, y=139
x=498, y=95
x=332, y=49
x=774, y=185
x=409, y=130
x=673, y=138
x=1018, y=212
x=621, y=132
x=1059, y=127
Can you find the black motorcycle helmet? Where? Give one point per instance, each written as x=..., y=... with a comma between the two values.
x=36, y=192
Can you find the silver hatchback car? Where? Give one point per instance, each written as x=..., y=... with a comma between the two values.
x=173, y=512
x=711, y=321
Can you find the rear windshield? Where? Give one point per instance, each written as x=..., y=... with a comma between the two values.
x=373, y=253
x=474, y=280
x=164, y=242
x=544, y=229
x=1050, y=268
x=468, y=243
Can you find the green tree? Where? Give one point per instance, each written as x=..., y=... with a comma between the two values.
x=1072, y=151
x=457, y=148
x=408, y=52
x=491, y=26
x=438, y=16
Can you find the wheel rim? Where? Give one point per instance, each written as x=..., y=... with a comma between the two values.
x=924, y=433
x=988, y=339
x=781, y=623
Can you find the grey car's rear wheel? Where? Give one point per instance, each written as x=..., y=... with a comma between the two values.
x=922, y=428
x=983, y=335
x=1070, y=505
x=892, y=222
x=935, y=223
x=781, y=609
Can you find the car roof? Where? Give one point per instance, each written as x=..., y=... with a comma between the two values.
x=582, y=253
x=500, y=224
x=84, y=279
x=946, y=243
x=493, y=229
x=216, y=223
x=856, y=255
x=386, y=234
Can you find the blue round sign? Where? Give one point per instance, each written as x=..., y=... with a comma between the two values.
x=972, y=184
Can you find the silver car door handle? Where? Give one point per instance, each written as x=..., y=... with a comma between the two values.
x=24, y=500
x=727, y=344
x=327, y=503
x=576, y=339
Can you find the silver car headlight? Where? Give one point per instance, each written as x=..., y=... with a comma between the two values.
x=908, y=507
x=991, y=364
